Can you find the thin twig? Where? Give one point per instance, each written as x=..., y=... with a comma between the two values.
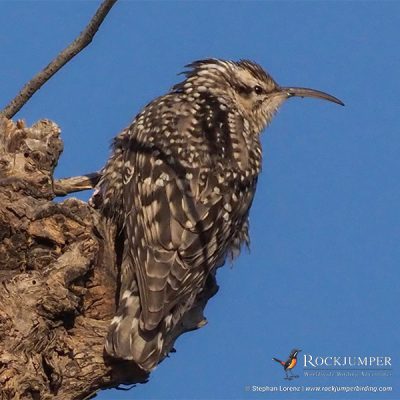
x=65, y=56
x=62, y=187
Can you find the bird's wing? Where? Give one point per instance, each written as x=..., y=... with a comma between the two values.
x=177, y=221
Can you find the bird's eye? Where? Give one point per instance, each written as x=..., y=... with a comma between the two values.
x=258, y=89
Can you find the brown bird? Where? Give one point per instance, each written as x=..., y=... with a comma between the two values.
x=179, y=184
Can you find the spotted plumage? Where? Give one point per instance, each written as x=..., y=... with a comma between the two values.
x=179, y=184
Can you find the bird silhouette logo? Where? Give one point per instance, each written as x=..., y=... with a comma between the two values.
x=289, y=364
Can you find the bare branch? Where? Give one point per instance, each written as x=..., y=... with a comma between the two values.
x=63, y=58
x=64, y=186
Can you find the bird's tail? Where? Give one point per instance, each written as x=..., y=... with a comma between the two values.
x=125, y=339
x=278, y=361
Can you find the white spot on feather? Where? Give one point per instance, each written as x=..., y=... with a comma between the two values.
x=216, y=190
x=126, y=294
x=116, y=320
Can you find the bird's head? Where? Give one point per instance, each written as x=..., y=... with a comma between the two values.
x=245, y=86
x=294, y=353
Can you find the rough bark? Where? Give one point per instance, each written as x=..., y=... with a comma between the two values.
x=58, y=269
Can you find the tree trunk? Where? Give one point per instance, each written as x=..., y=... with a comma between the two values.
x=58, y=269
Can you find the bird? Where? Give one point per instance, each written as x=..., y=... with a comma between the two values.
x=290, y=363
x=179, y=184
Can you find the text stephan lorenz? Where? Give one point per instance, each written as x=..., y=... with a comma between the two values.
x=311, y=361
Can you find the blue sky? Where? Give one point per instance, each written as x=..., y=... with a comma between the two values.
x=325, y=225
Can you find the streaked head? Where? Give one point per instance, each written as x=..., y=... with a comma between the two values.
x=245, y=86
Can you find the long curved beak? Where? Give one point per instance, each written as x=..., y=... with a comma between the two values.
x=305, y=92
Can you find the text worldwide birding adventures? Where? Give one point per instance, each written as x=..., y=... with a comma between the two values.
x=179, y=185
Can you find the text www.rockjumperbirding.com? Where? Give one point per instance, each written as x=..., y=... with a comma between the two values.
x=322, y=389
